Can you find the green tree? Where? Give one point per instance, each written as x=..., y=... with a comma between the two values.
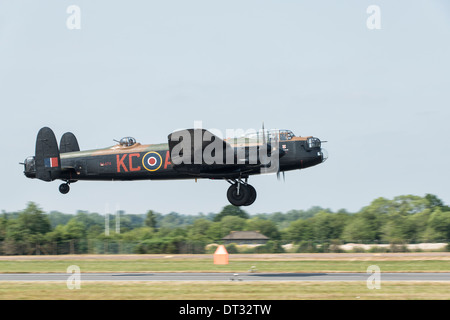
x=365, y=225
x=199, y=230
x=14, y=231
x=368, y=223
x=358, y=229
x=420, y=221
x=172, y=220
x=150, y=219
x=328, y=226
x=299, y=230
x=33, y=223
x=409, y=204
x=439, y=225
x=266, y=227
x=3, y=227
x=74, y=229
x=138, y=234
x=433, y=202
x=57, y=234
x=270, y=247
x=398, y=227
x=231, y=223
x=231, y=210
x=95, y=231
x=215, y=231
x=171, y=232
x=90, y=219
x=57, y=218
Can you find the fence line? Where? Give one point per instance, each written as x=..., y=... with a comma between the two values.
x=174, y=246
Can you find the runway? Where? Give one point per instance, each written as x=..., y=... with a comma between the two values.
x=188, y=276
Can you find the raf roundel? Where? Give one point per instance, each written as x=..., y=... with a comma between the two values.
x=152, y=161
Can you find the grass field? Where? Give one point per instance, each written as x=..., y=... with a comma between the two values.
x=206, y=265
x=309, y=290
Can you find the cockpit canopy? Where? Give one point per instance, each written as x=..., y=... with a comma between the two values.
x=286, y=135
x=127, y=141
x=273, y=134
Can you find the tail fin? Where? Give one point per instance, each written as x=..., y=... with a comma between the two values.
x=48, y=163
x=68, y=143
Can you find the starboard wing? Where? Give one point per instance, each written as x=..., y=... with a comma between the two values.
x=200, y=152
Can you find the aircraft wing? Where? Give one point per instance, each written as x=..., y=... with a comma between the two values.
x=201, y=153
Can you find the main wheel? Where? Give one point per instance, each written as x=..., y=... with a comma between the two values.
x=238, y=197
x=64, y=188
x=252, y=196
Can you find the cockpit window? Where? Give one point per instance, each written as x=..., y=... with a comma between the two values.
x=271, y=134
x=286, y=135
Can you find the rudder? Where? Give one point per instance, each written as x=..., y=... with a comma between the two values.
x=48, y=162
x=68, y=143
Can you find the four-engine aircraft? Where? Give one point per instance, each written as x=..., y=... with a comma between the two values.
x=188, y=154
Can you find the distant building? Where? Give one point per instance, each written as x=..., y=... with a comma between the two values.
x=245, y=237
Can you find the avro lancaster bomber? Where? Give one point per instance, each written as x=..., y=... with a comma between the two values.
x=188, y=154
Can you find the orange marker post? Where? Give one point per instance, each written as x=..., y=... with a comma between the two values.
x=221, y=255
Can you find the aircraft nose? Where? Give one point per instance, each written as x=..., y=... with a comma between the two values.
x=324, y=153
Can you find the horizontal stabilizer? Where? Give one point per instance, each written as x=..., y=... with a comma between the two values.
x=48, y=163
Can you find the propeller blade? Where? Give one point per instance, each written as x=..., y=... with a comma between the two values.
x=264, y=134
x=278, y=176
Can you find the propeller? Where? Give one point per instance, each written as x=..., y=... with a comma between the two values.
x=278, y=175
x=264, y=142
x=264, y=134
x=276, y=143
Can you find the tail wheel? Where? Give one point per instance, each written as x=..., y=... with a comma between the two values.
x=238, y=194
x=64, y=188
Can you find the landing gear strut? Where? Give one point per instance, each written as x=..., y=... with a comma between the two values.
x=240, y=193
x=64, y=188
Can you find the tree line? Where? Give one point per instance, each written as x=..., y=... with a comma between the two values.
x=406, y=218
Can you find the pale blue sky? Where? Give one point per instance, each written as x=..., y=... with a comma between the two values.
x=145, y=68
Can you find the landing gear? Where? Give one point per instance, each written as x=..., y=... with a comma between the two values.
x=252, y=196
x=241, y=193
x=64, y=188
